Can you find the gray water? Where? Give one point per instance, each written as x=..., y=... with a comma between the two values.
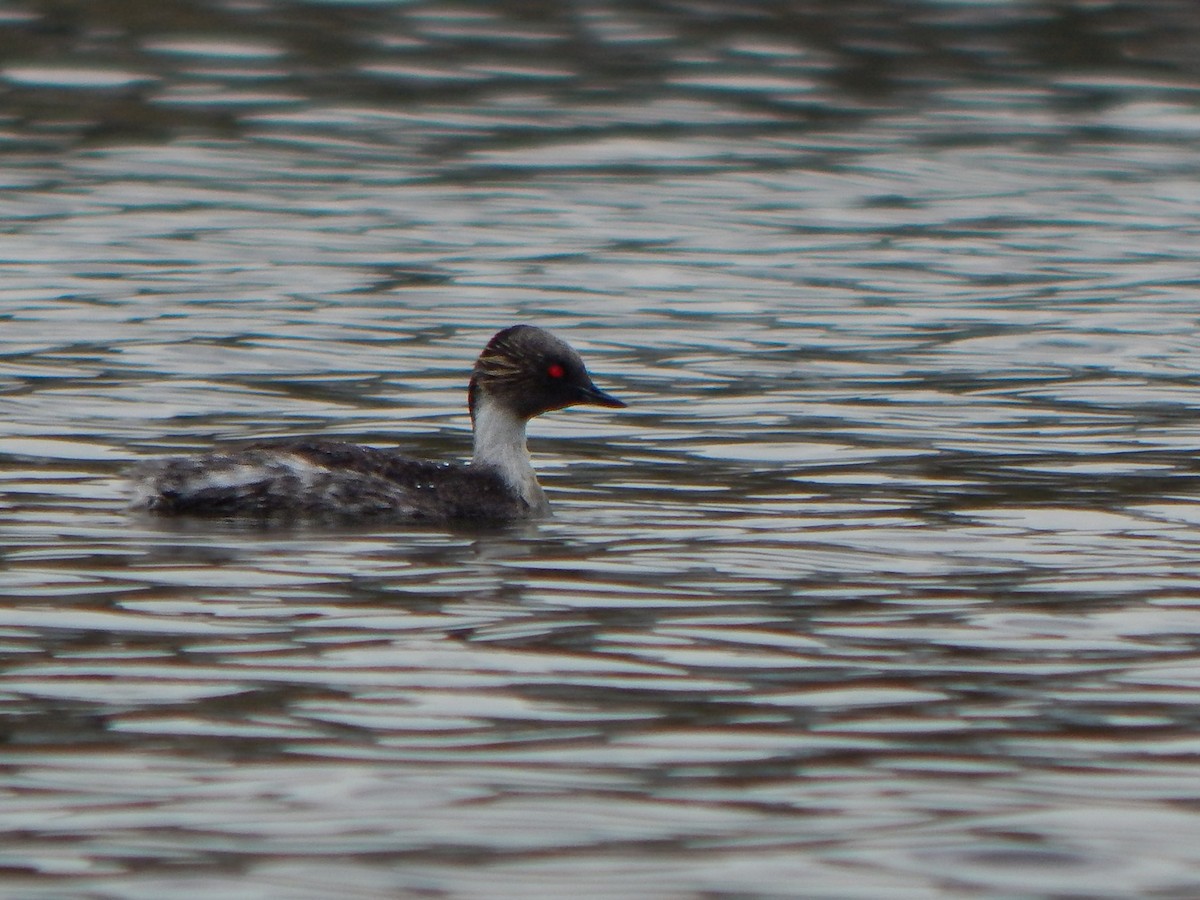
x=884, y=586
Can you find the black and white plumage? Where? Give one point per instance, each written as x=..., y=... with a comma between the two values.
x=523, y=372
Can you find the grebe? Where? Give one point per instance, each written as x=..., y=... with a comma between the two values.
x=523, y=372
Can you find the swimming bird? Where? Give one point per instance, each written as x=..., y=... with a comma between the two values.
x=523, y=371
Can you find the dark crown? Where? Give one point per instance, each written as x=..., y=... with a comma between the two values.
x=531, y=371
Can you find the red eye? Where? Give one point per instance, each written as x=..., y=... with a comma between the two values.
x=554, y=370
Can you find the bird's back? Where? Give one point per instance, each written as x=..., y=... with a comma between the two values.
x=325, y=480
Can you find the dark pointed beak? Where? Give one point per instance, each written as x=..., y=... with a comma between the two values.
x=593, y=396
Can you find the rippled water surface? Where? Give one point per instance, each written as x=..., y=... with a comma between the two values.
x=884, y=585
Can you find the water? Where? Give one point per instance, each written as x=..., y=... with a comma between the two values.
x=885, y=585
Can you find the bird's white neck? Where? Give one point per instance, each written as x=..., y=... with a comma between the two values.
x=500, y=445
